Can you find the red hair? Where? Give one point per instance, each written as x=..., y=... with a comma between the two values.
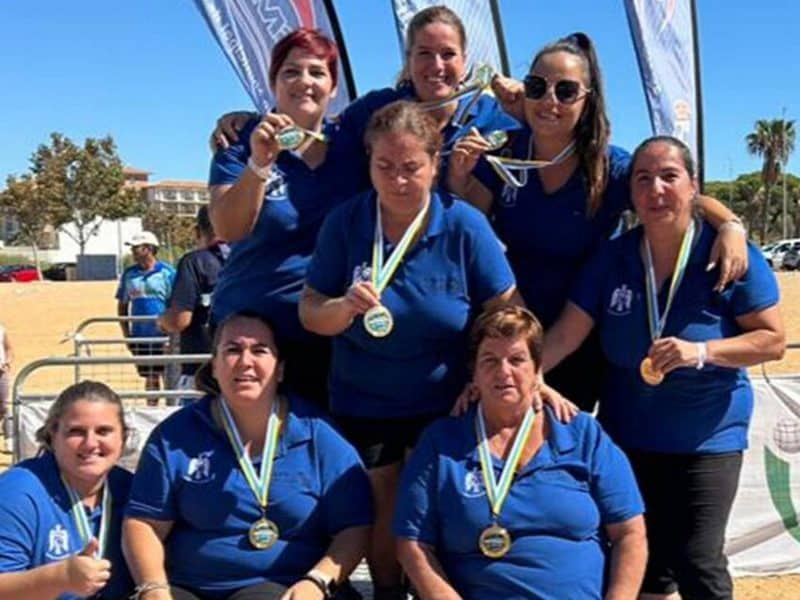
x=312, y=41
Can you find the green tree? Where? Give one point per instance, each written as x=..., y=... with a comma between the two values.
x=773, y=141
x=25, y=202
x=84, y=184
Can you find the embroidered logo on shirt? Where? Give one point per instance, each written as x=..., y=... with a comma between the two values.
x=57, y=542
x=199, y=470
x=276, y=186
x=362, y=273
x=473, y=484
x=621, y=299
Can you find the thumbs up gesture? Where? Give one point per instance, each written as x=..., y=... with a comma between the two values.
x=85, y=574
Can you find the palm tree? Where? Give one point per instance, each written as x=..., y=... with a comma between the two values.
x=773, y=140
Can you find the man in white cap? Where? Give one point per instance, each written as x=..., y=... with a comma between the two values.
x=143, y=290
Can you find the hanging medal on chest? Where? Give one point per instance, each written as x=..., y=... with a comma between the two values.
x=378, y=320
x=656, y=320
x=495, y=540
x=81, y=520
x=263, y=533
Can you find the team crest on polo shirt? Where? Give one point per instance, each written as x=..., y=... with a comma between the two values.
x=199, y=470
x=57, y=542
x=473, y=484
x=621, y=299
x=362, y=273
x=276, y=185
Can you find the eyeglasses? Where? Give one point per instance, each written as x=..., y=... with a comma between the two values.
x=567, y=91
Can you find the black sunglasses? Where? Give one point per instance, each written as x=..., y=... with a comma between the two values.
x=567, y=91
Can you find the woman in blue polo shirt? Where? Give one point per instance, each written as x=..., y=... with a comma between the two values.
x=397, y=275
x=553, y=215
x=676, y=397
x=246, y=493
x=505, y=502
x=61, y=512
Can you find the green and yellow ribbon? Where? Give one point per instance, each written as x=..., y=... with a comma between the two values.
x=78, y=511
x=382, y=271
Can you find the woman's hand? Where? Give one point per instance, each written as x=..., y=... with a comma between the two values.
x=361, y=296
x=227, y=130
x=730, y=253
x=511, y=94
x=85, y=574
x=264, y=146
x=465, y=155
x=469, y=395
x=564, y=409
x=303, y=590
x=670, y=353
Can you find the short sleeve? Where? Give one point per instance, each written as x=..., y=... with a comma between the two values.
x=152, y=493
x=227, y=165
x=327, y=271
x=587, y=291
x=613, y=484
x=17, y=530
x=489, y=272
x=416, y=514
x=758, y=289
x=122, y=293
x=346, y=493
x=186, y=288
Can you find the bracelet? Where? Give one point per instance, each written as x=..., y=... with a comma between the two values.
x=148, y=586
x=261, y=172
x=734, y=224
x=702, y=354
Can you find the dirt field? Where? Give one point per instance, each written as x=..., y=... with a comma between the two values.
x=38, y=317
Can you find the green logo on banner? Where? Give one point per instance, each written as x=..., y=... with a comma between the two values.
x=778, y=479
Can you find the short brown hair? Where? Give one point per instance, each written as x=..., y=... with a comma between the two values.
x=403, y=116
x=507, y=321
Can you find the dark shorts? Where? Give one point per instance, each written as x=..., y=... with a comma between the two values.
x=687, y=500
x=382, y=442
x=148, y=350
x=260, y=591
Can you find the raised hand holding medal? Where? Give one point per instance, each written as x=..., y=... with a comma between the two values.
x=656, y=320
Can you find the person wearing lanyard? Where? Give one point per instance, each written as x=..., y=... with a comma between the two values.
x=677, y=397
x=269, y=195
x=505, y=502
x=245, y=493
x=558, y=189
x=397, y=275
x=61, y=512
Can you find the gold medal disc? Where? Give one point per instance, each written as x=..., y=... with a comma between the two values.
x=494, y=541
x=263, y=534
x=650, y=375
x=378, y=321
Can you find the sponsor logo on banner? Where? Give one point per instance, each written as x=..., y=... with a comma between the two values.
x=782, y=466
x=682, y=123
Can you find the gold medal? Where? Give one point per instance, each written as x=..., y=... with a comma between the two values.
x=263, y=534
x=650, y=375
x=494, y=541
x=378, y=321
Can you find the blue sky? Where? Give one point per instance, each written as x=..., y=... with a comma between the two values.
x=149, y=72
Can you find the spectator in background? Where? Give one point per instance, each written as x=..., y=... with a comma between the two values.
x=143, y=291
x=189, y=306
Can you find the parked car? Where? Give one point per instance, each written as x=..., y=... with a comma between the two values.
x=58, y=271
x=774, y=252
x=791, y=260
x=18, y=273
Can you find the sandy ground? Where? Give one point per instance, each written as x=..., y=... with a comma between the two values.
x=39, y=317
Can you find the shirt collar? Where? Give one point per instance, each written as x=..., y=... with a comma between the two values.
x=436, y=221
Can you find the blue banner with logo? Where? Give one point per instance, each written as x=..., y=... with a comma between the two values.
x=481, y=19
x=247, y=30
x=664, y=34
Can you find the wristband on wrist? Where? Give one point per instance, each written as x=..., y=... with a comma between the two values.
x=261, y=172
x=702, y=355
x=148, y=586
x=325, y=583
x=734, y=224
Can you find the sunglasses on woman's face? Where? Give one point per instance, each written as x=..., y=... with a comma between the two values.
x=567, y=91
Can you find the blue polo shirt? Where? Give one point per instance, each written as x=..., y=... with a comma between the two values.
x=691, y=411
x=550, y=236
x=486, y=115
x=37, y=528
x=265, y=270
x=577, y=483
x=146, y=292
x=444, y=279
x=188, y=474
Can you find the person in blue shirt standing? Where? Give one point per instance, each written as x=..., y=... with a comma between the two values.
x=554, y=209
x=396, y=277
x=676, y=396
x=246, y=493
x=61, y=513
x=143, y=290
x=507, y=502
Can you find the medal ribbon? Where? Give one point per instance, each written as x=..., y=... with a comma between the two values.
x=259, y=483
x=382, y=272
x=656, y=321
x=480, y=83
x=506, y=167
x=82, y=520
x=497, y=491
